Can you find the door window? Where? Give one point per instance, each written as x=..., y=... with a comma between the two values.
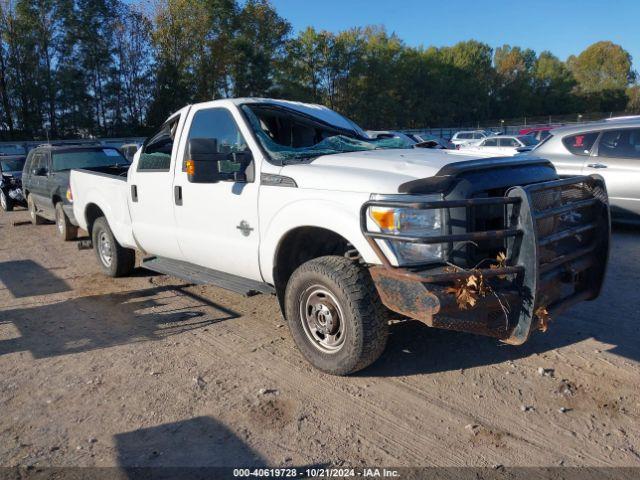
x=219, y=125
x=38, y=162
x=620, y=144
x=156, y=152
x=580, y=144
x=491, y=142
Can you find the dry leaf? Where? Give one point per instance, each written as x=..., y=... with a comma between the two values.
x=501, y=258
x=543, y=317
x=467, y=290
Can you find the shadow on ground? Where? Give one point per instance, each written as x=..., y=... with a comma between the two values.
x=26, y=278
x=613, y=318
x=198, y=448
x=100, y=321
x=200, y=441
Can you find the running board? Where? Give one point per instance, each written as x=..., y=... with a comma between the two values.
x=204, y=276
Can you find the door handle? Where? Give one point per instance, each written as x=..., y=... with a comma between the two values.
x=134, y=193
x=177, y=194
x=597, y=165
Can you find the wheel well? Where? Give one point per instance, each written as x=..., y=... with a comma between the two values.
x=92, y=213
x=301, y=245
x=56, y=199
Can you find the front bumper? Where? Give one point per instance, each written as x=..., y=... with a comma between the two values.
x=556, y=239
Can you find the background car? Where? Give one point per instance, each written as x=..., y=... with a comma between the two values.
x=45, y=180
x=10, y=181
x=418, y=141
x=425, y=138
x=469, y=137
x=610, y=149
x=503, y=145
x=540, y=133
x=129, y=150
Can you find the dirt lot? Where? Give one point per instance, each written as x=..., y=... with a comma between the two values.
x=149, y=371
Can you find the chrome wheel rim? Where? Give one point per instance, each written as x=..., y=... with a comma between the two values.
x=104, y=249
x=322, y=319
x=3, y=200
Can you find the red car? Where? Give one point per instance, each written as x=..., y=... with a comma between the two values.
x=540, y=133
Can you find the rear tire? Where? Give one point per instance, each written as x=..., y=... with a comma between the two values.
x=335, y=315
x=5, y=202
x=114, y=259
x=66, y=230
x=35, y=218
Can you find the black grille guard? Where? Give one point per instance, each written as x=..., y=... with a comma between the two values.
x=557, y=235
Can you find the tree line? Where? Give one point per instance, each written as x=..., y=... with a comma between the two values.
x=77, y=68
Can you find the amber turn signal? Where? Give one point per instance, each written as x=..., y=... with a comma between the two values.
x=384, y=218
x=191, y=167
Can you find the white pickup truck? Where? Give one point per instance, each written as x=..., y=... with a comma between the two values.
x=271, y=196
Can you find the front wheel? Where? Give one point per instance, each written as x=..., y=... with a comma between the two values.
x=115, y=260
x=335, y=315
x=66, y=230
x=5, y=202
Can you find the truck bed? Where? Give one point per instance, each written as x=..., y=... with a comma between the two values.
x=103, y=190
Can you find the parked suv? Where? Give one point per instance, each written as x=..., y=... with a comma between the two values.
x=610, y=149
x=46, y=181
x=10, y=184
x=469, y=137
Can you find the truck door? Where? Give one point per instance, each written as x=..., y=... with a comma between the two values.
x=217, y=223
x=38, y=172
x=150, y=192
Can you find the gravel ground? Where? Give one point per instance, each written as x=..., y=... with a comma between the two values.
x=148, y=371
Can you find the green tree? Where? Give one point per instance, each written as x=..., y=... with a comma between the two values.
x=553, y=86
x=602, y=66
x=258, y=46
x=514, y=81
x=633, y=94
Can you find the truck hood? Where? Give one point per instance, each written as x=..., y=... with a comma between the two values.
x=374, y=171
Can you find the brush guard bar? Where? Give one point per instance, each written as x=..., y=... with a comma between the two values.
x=556, y=234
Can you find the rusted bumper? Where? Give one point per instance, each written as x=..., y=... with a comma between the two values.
x=556, y=238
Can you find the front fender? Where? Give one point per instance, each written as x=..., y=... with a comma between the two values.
x=339, y=216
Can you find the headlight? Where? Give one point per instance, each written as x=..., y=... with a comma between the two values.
x=410, y=222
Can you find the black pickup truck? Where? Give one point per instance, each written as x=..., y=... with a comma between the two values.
x=46, y=181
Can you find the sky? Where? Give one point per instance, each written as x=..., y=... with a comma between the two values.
x=564, y=27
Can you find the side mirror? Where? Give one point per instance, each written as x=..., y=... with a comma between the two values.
x=206, y=165
x=202, y=163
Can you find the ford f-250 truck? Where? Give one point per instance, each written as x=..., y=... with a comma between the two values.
x=270, y=196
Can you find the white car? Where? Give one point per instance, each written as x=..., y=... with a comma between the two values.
x=291, y=199
x=503, y=145
x=468, y=137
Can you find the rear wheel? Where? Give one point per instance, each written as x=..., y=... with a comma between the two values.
x=5, y=202
x=35, y=218
x=335, y=315
x=114, y=259
x=66, y=230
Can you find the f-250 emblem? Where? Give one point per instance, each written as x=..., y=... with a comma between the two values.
x=245, y=228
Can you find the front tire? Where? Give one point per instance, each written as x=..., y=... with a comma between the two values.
x=35, y=218
x=114, y=259
x=335, y=315
x=5, y=202
x=66, y=230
